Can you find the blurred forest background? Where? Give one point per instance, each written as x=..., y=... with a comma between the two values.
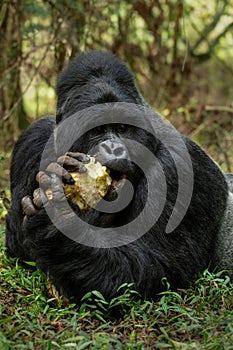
x=181, y=53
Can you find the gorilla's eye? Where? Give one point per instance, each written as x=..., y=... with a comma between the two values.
x=101, y=129
x=122, y=128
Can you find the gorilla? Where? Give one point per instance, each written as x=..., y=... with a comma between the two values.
x=92, y=86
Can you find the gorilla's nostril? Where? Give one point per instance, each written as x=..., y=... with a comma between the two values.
x=106, y=148
x=110, y=149
x=118, y=152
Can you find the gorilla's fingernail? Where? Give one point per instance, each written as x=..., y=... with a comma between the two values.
x=71, y=181
x=25, y=220
x=83, y=169
x=86, y=159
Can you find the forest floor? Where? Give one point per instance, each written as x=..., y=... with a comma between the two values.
x=34, y=318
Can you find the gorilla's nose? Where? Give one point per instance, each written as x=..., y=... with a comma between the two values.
x=112, y=149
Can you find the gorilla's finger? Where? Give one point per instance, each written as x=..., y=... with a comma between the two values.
x=115, y=188
x=39, y=198
x=25, y=220
x=60, y=172
x=120, y=184
x=44, y=179
x=71, y=164
x=28, y=206
x=57, y=190
x=82, y=157
x=111, y=196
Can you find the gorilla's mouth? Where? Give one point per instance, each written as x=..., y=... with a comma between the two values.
x=118, y=180
x=116, y=175
x=120, y=170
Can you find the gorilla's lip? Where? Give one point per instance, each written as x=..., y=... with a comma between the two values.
x=116, y=175
x=118, y=166
x=120, y=170
x=118, y=179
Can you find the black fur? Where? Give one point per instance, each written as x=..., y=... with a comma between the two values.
x=91, y=79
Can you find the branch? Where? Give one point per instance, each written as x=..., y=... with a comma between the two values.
x=7, y=116
x=3, y=13
x=205, y=32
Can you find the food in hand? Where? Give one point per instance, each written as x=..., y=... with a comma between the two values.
x=89, y=187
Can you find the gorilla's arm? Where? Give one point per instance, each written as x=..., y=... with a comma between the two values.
x=224, y=241
x=25, y=165
x=229, y=178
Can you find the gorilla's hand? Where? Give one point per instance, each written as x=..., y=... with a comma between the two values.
x=52, y=178
x=116, y=187
x=71, y=161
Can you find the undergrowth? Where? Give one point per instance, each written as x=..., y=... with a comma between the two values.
x=33, y=318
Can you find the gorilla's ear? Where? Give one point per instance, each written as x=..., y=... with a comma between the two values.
x=229, y=178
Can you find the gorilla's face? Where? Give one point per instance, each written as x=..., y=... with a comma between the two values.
x=110, y=144
x=120, y=137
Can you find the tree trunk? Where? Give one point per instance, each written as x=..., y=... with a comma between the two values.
x=11, y=105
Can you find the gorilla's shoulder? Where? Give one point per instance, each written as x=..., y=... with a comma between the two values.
x=38, y=130
x=30, y=146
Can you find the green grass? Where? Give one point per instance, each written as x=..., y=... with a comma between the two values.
x=32, y=318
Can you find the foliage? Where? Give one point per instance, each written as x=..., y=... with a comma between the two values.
x=164, y=42
x=181, y=56
x=32, y=318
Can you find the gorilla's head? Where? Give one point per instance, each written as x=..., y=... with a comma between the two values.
x=91, y=79
x=117, y=134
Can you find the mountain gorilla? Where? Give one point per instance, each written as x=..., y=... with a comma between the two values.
x=203, y=239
